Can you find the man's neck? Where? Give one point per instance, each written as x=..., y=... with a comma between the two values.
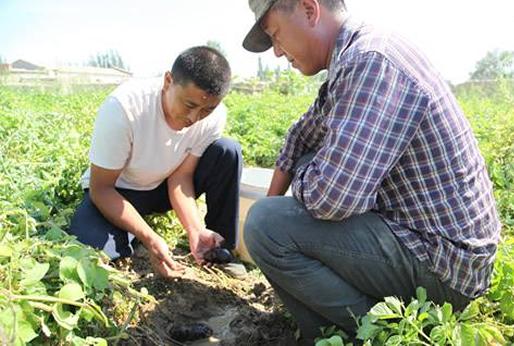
x=335, y=23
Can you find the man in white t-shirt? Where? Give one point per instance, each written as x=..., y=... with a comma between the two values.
x=157, y=146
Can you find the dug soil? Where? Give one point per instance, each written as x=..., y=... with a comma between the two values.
x=239, y=311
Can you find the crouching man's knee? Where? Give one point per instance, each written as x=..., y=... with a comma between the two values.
x=225, y=149
x=255, y=225
x=263, y=227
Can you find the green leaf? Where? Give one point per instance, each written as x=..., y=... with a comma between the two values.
x=383, y=312
x=86, y=272
x=507, y=306
x=423, y=316
x=438, y=334
x=68, y=269
x=89, y=341
x=96, y=341
x=394, y=304
x=35, y=274
x=101, y=279
x=426, y=307
x=492, y=334
x=382, y=337
x=92, y=275
x=25, y=331
x=87, y=314
x=78, y=341
x=64, y=318
x=395, y=340
x=38, y=289
x=447, y=310
x=470, y=311
x=54, y=234
x=421, y=295
x=7, y=316
x=76, y=251
x=39, y=210
x=455, y=335
x=5, y=251
x=367, y=329
x=328, y=331
x=467, y=334
x=71, y=291
x=335, y=340
x=17, y=321
x=495, y=294
x=482, y=338
x=436, y=314
x=412, y=309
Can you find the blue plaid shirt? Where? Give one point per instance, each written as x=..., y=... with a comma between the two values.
x=389, y=136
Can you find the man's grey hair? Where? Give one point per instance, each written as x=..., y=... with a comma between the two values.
x=289, y=5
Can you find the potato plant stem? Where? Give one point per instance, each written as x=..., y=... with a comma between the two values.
x=99, y=314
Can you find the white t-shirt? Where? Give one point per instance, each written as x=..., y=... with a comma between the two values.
x=131, y=133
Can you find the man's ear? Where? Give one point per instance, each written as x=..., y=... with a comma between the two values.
x=168, y=80
x=312, y=10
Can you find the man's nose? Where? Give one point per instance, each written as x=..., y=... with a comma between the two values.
x=277, y=50
x=193, y=116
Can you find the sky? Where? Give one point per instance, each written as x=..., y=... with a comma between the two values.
x=149, y=34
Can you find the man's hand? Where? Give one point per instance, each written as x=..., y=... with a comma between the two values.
x=161, y=259
x=123, y=214
x=182, y=197
x=202, y=241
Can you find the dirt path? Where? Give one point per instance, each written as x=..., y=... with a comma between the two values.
x=240, y=312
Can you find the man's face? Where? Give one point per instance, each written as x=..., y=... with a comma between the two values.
x=185, y=105
x=291, y=34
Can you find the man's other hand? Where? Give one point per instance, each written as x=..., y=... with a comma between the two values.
x=161, y=259
x=202, y=241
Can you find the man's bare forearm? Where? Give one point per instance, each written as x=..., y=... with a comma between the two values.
x=121, y=213
x=182, y=198
x=279, y=183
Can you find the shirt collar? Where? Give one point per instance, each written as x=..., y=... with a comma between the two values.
x=351, y=26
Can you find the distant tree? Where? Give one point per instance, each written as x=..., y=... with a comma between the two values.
x=216, y=45
x=495, y=65
x=264, y=73
x=108, y=59
x=277, y=72
x=2, y=70
x=260, y=69
x=292, y=83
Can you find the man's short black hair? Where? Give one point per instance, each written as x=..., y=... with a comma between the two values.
x=289, y=5
x=207, y=68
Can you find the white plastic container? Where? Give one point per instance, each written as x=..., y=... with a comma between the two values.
x=254, y=185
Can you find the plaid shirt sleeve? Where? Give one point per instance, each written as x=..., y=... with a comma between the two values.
x=375, y=112
x=305, y=135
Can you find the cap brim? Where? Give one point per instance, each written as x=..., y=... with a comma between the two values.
x=257, y=40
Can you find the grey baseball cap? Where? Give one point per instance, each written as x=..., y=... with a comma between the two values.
x=257, y=40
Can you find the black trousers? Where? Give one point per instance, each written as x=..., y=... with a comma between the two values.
x=217, y=175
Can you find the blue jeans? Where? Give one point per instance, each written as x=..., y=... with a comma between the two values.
x=217, y=175
x=325, y=271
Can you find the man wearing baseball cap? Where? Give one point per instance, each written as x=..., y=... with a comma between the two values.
x=390, y=189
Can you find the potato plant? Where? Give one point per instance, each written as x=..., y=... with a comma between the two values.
x=56, y=291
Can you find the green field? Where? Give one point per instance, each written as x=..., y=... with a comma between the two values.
x=56, y=291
